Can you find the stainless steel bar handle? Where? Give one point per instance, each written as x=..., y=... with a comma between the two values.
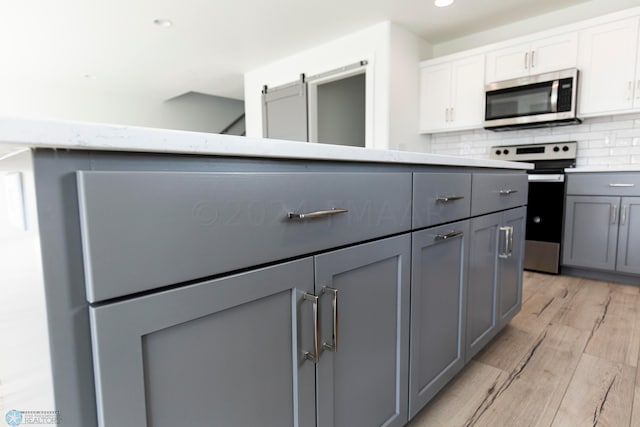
x=446, y=199
x=315, y=356
x=614, y=214
x=316, y=214
x=453, y=114
x=629, y=90
x=622, y=185
x=507, y=192
x=554, y=96
x=623, y=215
x=334, y=303
x=533, y=59
x=510, y=247
x=504, y=254
x=526, y=60
x=449, y=235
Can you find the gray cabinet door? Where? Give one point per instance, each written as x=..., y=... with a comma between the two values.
x=227, y=352
x=628, y=258
x=438, y=309
x=591, y=232
x=510, y=265
x=364, y=382
x=482, y=322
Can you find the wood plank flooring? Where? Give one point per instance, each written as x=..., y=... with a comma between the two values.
x=569, y=358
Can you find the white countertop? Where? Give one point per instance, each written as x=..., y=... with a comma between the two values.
x=613, y=168
x=21, y=133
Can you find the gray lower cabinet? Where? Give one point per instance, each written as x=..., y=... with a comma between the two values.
x=250, y=349
x=495, y=278
x=510, y=263
x=438, y=309
x=628, y=256
x=591, y=232
x=362, y=373
x=225, y=352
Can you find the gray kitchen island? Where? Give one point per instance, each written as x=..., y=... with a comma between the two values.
x=180, y=278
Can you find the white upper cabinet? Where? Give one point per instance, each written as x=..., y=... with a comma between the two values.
x=535, y=57
x=610, y=68
x=452, y=95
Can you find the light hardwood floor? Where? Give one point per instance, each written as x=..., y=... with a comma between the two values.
x=569, y=358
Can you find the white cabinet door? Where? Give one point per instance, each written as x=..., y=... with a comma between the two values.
x=607, y=62
x=508, y=63
x=553, y=53
x=467, y=93
x=537, y=57
x=435, y=97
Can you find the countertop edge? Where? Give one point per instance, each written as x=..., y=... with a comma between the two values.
x=32, y=133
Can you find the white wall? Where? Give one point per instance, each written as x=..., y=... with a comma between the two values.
x=195, y=112
x=391, y=80
x=548, y=21
x=602, y=141
x=407, y=50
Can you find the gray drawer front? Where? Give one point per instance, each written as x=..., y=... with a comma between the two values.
x=440, y=198
x=604, y=184
x=495, y=192
x=144, y=230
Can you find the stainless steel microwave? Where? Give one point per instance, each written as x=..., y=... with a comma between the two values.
x=542, y=100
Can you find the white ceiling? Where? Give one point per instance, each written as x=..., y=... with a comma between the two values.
x=212, y=42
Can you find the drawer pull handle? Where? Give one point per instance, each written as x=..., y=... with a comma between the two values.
x=507, y=192
x=316, y=214
x=622, y=185
x=445, y=199
x=334, y=303
x=316, y=330
x=449, y=235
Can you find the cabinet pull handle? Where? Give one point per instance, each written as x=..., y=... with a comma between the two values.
x=533, y=58
x=622, y=185
x=334, y=304
x=316, y=214
x=623, y=215
x=508, y=242
x=316, y=330
x=449, y=235
x=453, y=114
x=629, y=90
x=638, y=89
x=507, y=192
x=614, y=214
x=447, y=114
x=526, y=60
x=446, y=199
x=510, y=232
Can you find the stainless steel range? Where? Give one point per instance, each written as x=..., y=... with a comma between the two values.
x=546, y=199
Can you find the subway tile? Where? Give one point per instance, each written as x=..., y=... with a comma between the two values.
x=620, y=151
x=627, y=124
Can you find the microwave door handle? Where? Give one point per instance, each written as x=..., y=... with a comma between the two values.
x=554, y=96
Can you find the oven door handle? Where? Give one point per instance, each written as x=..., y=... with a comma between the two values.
x=546, y=177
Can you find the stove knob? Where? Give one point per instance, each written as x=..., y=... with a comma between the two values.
x=506, y=151
x=556, y=149
x=565, y=148
x=498, y=152
x=536, y=220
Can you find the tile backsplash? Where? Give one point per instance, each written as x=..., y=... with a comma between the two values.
x=602, y=141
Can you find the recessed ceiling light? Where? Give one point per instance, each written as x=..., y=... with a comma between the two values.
x=443, y=3
x=164, y=23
